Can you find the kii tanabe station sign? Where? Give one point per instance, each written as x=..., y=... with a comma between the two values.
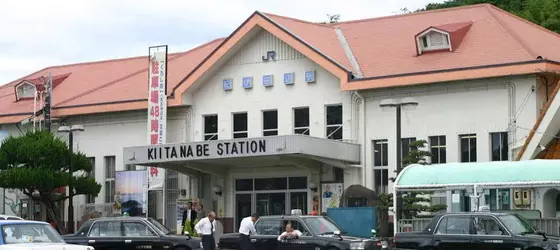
x=174, y=152
x=246, y=147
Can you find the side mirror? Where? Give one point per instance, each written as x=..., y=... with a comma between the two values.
x=186, y=233
x=336, y=232
x=373, y=233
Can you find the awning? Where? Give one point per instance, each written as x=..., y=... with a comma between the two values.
x=223, y=151
x=497, y=174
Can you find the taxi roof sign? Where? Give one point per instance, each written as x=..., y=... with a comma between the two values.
x=296, y=212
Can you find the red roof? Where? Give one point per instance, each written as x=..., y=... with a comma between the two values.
x=482, y=35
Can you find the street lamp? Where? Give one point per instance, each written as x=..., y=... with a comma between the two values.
x=390, y=103
x=70, y=130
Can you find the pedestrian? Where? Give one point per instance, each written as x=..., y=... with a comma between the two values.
x=189, y=218
x=205, y=228
x=246, y=229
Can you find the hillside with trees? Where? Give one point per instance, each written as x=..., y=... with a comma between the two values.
x=542, y=12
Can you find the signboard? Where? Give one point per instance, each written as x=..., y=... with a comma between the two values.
x=153, y=155
x=331, y=193
x=157, y=109
x=129, y=192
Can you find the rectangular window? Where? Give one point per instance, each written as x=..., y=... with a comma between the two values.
x=210, y=127
x=405, y=146
x=500, y=146
x=240, y=127
x=91, y=174
x=109, y=179
x=270, y=122
x=334, y=122
x=301, y=121
x=381, y=180
x=380, y=153
x=468, y=148
x=438, y=149
x=130, y=167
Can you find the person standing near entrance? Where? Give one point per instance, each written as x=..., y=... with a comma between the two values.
x=205, y=228
x=189, y=216
x=247, y=228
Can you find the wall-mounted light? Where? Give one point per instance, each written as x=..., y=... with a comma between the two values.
x=217, y=190
x=312, y=186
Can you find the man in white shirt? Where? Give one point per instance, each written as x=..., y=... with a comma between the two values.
x=205, y=228
x=246, y=228
x=290, y=233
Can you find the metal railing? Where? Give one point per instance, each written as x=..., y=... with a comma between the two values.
x=551, y=226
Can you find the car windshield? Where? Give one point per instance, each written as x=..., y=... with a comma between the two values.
x=28, y=232
x=321, y=225
x=516, y=224
x=159, y=226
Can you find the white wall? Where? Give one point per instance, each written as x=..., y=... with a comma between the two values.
x=212, y=99
x=450, y=109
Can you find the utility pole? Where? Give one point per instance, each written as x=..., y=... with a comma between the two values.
x=398, y=168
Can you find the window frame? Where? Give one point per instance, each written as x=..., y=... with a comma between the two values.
x=384, y=154
x=446, y=217
x=286, y=221
x=306, y=130
x=105, y=236
x=337, y=126
x=426, y=44
x=439, y=147
x=246, y=132
x=470, y=137
x=498, y=222
x=110, y=172
x=501, y=142
x=213, y=136
x=264, y=129
x=406, y=149
x=123, y=226
x=91, y=174
x=277, y=220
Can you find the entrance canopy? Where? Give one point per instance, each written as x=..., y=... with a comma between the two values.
x=497, y=174
x=244, y=152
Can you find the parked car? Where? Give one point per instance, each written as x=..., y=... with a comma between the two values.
x=9, y=217
x=25, y=235
x=476, y=230
x=124, y=233
x=318, y=232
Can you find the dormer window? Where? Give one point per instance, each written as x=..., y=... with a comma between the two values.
x=25, y=90
x=434, y=40
x=446, y=37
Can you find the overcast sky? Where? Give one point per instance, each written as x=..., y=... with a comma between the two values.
x=36, y=33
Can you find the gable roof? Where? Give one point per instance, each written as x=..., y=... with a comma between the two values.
x=382, y=49
x=103, y=86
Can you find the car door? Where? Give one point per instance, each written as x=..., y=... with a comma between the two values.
x=106, y=235
x=138, y=235
x=268, y=231
x=452, y=233
x=304, y=242
x=489, y=234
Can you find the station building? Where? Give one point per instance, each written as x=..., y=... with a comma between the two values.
x=258, y=121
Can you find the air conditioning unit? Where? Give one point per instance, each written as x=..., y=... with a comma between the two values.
x=526, y=197
x=517, y=200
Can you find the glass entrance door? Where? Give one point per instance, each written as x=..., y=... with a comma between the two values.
x=298, y=200
x=271, y=204
x=242, y=207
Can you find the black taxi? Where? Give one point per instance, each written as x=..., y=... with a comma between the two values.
x=476, y=230
x=318, y=232
x=130, y=233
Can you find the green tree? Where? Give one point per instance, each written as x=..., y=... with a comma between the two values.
x=37, y=163
x=413, y=202
x=335, y=18
x=542, y=12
